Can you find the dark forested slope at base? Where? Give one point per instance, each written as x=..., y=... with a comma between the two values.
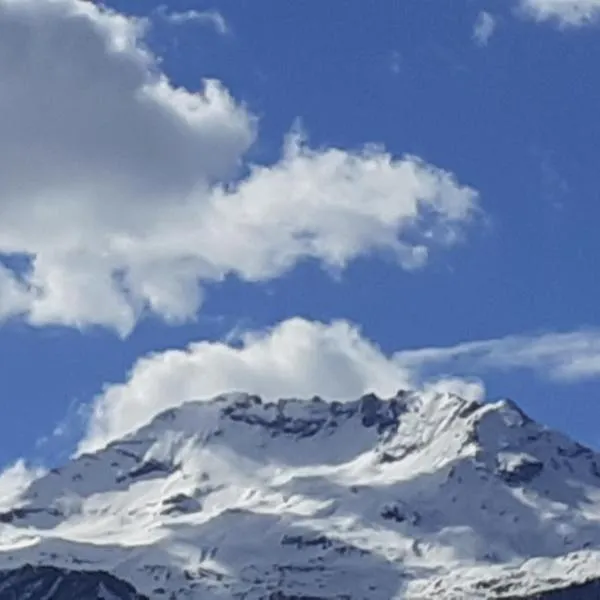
x=50, y=583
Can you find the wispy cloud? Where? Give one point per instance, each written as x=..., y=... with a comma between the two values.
x=484, y=28
x=396, y=63
x=568, y=357
x=567, y=13
x=211, y=18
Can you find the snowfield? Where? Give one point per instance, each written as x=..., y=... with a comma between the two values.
x=412, y=497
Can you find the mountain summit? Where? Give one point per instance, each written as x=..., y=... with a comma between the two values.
x=417, y=496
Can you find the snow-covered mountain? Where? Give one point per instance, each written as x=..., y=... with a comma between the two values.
x=416, y=496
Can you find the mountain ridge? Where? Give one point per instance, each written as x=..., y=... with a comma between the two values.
x=403, y=497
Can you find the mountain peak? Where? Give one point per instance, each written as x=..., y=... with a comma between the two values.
x=370, y=498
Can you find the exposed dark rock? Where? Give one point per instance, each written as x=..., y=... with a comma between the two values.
x=283, y=596
x=301, y=541
x=382, y=414
x=18, y=514
x=524, y=471
x=180, y=503
x=150, y=467
x=373, y=412
x=574, y=451
x=45, y=583
x=387, y=457
x=400, y=513
x=277, y=424
x=393, y=513
x=469, y=409
x=322, y=542
x=589, y=590
x=14, y=515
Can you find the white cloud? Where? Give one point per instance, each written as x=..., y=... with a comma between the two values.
x=567, y=357
x=297, y=358
x=14, y=295
x=212, y=18
x=300, y=358
x=122, y=189
x=468, y=388
x=484, y=28
x=565, y=12
x=15, y=480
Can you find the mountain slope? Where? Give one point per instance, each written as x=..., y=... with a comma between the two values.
x=416, y=496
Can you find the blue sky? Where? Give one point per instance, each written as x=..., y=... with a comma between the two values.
x=510, y=112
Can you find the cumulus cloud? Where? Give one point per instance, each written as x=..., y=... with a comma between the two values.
x=128, y=195
x=296, y=358
x=300, y=358
x=484, y=28
x=565, y=12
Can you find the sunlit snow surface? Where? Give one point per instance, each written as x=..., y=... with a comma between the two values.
x=417, y=496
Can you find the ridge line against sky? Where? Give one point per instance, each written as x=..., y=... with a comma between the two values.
x=130, y=197
x=301, y=358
